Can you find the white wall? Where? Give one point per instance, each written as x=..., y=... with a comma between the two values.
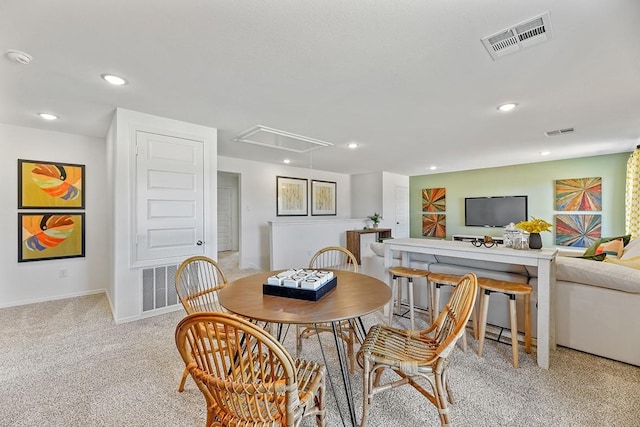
x=36, y=281
x=258, y=203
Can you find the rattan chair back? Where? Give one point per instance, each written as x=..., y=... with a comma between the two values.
x=246, y=375
x=334, y=258
x=198, y=280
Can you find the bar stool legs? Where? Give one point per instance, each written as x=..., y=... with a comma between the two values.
x=409, y=274
x=488, y=286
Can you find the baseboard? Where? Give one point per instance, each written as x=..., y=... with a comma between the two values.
x=147, y=314
x=55, y=298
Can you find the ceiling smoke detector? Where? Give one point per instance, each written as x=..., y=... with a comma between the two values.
x=559, y=131
x=18, y=56
x=280, y=139
x=520, y=36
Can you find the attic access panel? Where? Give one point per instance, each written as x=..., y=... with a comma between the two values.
x=279, y=139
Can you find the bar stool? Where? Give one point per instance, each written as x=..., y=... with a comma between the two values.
x=487, y=286
x=410, y=274
x=436, y=281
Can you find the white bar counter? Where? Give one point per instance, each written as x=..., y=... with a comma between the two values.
x=543, y=259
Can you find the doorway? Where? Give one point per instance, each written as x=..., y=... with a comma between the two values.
x=228, y=192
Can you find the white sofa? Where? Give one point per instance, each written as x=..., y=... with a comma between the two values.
x=596, y=306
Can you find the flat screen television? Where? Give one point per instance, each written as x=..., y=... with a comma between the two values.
x=494, y=211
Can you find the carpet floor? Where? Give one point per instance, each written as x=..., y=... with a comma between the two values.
x=66, y=363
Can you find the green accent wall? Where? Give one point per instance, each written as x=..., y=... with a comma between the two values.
x=535, y=180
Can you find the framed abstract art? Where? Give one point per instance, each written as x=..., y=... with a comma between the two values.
x=291, y=194
x=50, y=185
x=579, y=230
x=323, y=198
x=50, y=235
x=579, y=194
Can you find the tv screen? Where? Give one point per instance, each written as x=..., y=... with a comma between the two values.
x=494, y=211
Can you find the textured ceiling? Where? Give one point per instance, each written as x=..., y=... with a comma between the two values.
x=410, y=81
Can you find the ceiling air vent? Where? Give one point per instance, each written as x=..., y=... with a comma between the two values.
x=520, y=36
x=559, y=131
x=275, y=138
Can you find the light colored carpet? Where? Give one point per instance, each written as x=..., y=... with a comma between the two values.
x=65, y=363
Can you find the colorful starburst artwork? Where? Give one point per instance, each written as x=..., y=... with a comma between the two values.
x=578, y=230
x=579, y=194
x=434, y=225
x=434, y=199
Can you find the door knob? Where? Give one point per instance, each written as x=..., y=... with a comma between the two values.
x=199, y=242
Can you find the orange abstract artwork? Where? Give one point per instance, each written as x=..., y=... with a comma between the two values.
x=50, y=236
x=50, y=185
x=434, y=225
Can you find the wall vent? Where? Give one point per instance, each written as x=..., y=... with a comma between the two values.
x=517, y=37
x=559, y=131
x=159, y=287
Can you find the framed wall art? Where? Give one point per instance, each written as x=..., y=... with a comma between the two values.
x=579, y=194
x=50, y=185
x=323, y=197
x=434, y=199
x=434, y=225
x=292, y=199
x=50, y=235
x=579, y=230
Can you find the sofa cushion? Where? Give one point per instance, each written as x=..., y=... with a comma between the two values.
x=632, y=249
x=631, y=262
x=601, y=274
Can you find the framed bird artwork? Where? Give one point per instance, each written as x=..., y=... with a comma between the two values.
x=47, y=185
x=50, y=235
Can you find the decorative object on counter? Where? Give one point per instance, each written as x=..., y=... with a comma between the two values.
x=534, y=227
x=375, y=218
x=487, y=242
x=509, y=235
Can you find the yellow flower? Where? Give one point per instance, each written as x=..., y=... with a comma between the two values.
x=536, y=225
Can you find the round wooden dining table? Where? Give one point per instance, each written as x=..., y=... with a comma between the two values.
x=355, y=295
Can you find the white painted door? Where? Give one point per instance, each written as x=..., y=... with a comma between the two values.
x=169, y=197
x=225, y=236
x=402, y=212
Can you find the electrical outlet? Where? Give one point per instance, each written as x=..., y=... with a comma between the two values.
x=63, y=272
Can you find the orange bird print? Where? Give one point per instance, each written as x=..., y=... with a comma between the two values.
x=58, y=181
x=46, y=231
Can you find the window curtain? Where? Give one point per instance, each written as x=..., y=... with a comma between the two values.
x=632, y=199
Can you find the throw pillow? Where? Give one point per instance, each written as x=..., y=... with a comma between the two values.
x=612, y=248
x=377, y=248
x=599, y=257
x=592, y=249
x=633, y=262
x=632, y=249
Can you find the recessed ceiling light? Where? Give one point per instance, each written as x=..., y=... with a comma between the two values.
x=19, y=56
x=353, y=145
x=114, y=80
x=287, y=161
x=432, y=168
x=48, y=116
x=545, y=153
x=507, y=107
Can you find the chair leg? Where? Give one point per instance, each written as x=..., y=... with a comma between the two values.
x=483, y=320
x=394, y=292
x=410, y=292
x=399, y=296
x=436, y=302
x=185, y=374
x=527, y=323
x=321, y=420
x=514, y=329
x=366, y=387
x=441, y=399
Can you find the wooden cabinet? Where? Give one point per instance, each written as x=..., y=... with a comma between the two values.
x=353, y=238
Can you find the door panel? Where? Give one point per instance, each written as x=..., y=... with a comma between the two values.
x=169, y=196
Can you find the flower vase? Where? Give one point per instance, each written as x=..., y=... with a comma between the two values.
x=535, y=241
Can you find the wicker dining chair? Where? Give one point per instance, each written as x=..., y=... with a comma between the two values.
x=198, y=280
x=332, y=258
x=416, y=355
x=246, y=376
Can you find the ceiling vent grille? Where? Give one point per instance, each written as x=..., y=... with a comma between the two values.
x=518, y=37
x=560, y=131
x=282, y=140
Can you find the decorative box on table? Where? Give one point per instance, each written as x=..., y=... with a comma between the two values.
x=310, y=285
